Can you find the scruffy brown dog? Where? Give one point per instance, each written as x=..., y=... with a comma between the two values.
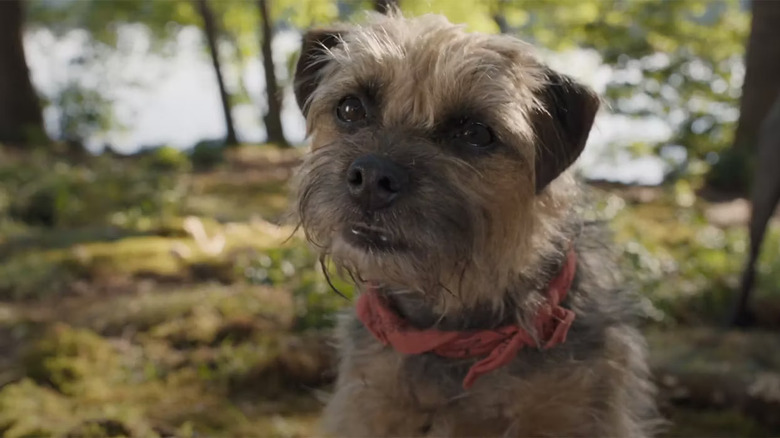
x=437, y=179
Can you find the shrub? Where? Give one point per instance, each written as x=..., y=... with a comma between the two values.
x=207, y=154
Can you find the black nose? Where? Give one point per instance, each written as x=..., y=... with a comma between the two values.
x=375, y=182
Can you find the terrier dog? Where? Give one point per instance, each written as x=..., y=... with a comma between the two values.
x=437, y=179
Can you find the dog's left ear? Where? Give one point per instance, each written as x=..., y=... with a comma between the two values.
x=561, y=125
x=310, y=62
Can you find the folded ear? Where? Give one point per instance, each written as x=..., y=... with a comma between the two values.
x=562, y=125
x=311, y=60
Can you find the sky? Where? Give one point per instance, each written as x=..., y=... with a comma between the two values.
x=174, y=100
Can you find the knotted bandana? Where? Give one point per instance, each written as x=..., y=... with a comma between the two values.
x=499, y=345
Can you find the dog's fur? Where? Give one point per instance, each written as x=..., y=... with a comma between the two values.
x=475, y=239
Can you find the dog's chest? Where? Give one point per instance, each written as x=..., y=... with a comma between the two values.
x=499, y=404
x=392, y=394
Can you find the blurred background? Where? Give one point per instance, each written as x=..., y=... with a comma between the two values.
x=147, y=286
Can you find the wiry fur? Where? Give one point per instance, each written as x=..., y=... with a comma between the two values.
x=475, y=241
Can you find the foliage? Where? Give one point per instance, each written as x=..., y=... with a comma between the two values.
x=297, y=268
x=206, y=155
x=83, y=113
x=733, y=170
x=680, y=61
x=52, y=192
x=103, y=19
x=677, y=61
x=166, y=159
x=477, y=15
x=687, y=268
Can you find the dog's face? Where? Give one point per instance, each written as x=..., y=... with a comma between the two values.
x=433, y=150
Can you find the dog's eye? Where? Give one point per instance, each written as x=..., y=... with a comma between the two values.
x=475, y=134
x=351, y=110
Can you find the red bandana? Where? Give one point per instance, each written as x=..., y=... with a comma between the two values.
x=500, y=345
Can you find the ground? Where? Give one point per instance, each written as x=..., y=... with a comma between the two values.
x=139, y=298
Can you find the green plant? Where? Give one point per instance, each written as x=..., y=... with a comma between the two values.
x=207, y=154
x=167, y=159
x=52, y=192
x=733, y=171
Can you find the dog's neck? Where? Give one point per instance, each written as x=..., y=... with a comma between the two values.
x=422, y=312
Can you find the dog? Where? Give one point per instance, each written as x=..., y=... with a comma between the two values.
x=439, y=180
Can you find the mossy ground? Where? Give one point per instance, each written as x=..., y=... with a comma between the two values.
x=187, y=310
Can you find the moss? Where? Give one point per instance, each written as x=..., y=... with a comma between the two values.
x=707, y=350
x=83, y=384
x=274, y=366
x=28, y=409
x=266, y=154
x=239, y=200
x=73, y=361
x=148, y=254
x=34, y=275
x=223, y=253
x=297, y=425
x=267, y=308
x=100, y=429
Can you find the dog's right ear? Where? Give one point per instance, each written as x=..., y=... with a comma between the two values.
x=562, y=125
x=315, y=44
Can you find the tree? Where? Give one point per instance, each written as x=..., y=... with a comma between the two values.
x=765, y=196
x=163, y=19
x=238, y=21
x=210, y=30
x=20, y=113
x=762, y=72
x=734, y=170
x=272, y=118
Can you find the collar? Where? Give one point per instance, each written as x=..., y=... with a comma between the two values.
x=498, y=346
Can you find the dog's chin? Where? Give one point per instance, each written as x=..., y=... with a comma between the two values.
x=370, y=239
x=359, y=245
x=371, y=254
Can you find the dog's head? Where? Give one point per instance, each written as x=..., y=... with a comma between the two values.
x=437, y=155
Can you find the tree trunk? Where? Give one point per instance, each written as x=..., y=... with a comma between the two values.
x=500, y=20
x=210, y=29
x=762, y=71
x=20, y=114
x=764, y=198
x=273, y=118
x=384, y=6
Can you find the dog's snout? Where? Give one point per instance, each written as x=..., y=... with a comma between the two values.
x=375, y=182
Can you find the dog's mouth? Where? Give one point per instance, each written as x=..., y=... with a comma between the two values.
x=369, y=237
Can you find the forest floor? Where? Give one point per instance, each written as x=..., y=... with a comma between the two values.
x=141, y=298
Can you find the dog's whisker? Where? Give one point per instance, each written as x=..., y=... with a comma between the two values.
x=325, y=272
